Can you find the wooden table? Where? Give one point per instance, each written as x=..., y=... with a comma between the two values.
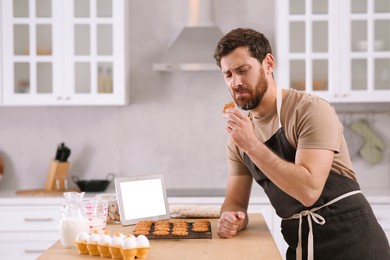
x=255, y=242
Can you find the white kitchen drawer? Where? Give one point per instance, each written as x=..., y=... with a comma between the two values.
x=25, y=245
x=382, y=213
x=27, y=218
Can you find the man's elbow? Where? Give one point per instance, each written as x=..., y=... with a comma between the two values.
x=310, y=197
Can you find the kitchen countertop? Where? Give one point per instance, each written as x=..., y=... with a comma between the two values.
x=203, y=196
x=255, y=242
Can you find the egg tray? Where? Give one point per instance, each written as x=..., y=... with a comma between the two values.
x=191, y=234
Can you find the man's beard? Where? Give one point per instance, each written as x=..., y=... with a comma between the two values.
x=255, y=99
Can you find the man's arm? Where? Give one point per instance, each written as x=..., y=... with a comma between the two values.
x=234, y=215
x=304, y=180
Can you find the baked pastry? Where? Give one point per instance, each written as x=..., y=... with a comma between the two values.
x=141, y=232
x=180, y=232
x=200, y=226
x=163, y=224
x=228, y=105
x=167, y=229
x=161, y=232
x=180, y=228
x=142, y=228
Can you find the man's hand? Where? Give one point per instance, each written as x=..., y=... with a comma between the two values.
x=240, y=128
x=230, y=223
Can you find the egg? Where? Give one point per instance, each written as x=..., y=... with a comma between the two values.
x=117, y=239
x=82, y=237
x=142, y=241
x=93, y=238
x=104, y=239
x=129, y=242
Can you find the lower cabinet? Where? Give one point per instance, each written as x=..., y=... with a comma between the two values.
x=29, y=227
x=27, y=231
x=382, y=213
x=25, y=245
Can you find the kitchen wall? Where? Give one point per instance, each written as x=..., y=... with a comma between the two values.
x=376, y=119
x=173, y=124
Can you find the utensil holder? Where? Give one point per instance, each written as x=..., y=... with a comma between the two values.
x=56, y=178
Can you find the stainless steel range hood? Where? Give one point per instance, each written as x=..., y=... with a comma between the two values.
x=193, y=49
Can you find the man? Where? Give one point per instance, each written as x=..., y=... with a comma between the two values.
x=292, y=144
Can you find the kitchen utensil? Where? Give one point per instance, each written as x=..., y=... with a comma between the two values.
x=74, y=219
x=96, y=211
x=113, y=215
x=191, y=233
x=372, y=149
x=93, y=185
x=354, y=141
x=194, y=211
x=57, y=176
x=62, y=153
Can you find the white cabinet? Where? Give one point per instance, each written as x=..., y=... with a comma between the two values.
x=382, y=213
x=63, y=52
x=30, y=225
x=27, y=231
x=339, y=50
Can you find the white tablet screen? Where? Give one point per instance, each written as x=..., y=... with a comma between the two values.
x=141, y=197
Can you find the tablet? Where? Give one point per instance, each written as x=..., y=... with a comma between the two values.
x=141, y=197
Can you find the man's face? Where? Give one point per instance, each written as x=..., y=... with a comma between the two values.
x=244, y=77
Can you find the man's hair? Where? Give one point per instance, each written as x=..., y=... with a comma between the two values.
x=255, y=42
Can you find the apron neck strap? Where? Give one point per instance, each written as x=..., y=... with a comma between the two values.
x=279, y=104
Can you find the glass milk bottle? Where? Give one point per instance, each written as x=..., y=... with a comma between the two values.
x=73, y=218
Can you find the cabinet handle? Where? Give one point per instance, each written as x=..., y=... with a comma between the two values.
x=33, y=251
x=59, y=98
x=67, y=98
x=38, y=219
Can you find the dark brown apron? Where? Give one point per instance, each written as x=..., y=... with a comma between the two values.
x=351, y=230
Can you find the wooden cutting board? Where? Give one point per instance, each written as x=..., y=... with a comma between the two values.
x=44, y=193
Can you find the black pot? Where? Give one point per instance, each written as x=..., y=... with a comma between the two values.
x=93, y=185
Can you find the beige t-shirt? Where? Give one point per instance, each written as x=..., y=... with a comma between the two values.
x=309, y=122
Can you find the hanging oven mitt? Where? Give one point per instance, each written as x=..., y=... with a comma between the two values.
x=355, y=142
x=373, y=146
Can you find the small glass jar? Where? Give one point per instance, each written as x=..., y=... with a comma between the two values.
x=113, y=215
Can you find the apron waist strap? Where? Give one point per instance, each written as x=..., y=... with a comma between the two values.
x=317, y=218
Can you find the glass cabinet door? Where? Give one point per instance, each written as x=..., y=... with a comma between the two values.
x=63, y=52
x=28, y=50
x=370, y=45
x=308, y=45
x=339, y=50
x=92, y=67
